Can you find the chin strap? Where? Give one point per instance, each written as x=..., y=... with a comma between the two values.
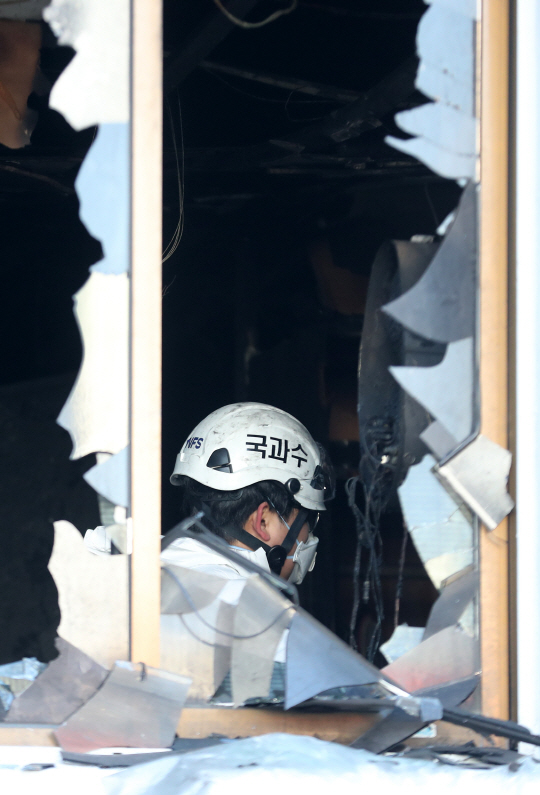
x=276, y=556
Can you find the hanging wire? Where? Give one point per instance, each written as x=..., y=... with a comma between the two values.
x=251, y=25
x=401, y=571
x=272, y=100
x=174, y=242
x=376, y=472
x=191, y=603
x=431, y=207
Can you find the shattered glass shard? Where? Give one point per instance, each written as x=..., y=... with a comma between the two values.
x=92, y=595
x=466, y=7
x=452, y=602
x=110, y=479
x=445, y=390
x=317, y=661
x=444, y=88
x=187, y=590
x=444, y=126
x=439, y=441
x=96, y=412
x=444, y=566
x=261, y=618
x=444, y=657
x=446, y=41
x=103, y=185
x=94, y=87
x=424, y=500
x=441, y=305
x=403, y=639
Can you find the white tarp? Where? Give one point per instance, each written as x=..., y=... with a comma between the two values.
x=281, y=763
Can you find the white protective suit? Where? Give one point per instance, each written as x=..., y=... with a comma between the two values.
x=190, y=554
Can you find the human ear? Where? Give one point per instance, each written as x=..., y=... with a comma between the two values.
x=259, y=522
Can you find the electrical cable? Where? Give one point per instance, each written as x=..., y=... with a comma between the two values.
x=401, y=570
x=191, y=603
x=273, y=100
x=376, y=470
x=252, y=25
x=174, y=242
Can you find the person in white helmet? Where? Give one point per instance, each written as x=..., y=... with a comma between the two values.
x=263, y=480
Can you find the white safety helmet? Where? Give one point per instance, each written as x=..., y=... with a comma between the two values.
x=245, y=443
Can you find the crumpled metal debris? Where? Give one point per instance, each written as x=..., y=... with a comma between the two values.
x=61, y=688
x=398, y=725
x=16, y=677
x=479, y=474
x=317, y=661
x=137, y=706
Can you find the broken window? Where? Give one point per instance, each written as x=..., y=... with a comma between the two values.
x=317, y=259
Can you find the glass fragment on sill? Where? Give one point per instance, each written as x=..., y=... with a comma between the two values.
x=63, y=687
x=137, y=706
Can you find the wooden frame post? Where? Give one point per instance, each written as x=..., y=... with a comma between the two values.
x=146, y=255
x=494, y=214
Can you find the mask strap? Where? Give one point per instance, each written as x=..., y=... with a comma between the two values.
x=275, y=556
x=294, y=530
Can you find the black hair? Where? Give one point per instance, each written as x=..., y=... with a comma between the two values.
x=233, y=508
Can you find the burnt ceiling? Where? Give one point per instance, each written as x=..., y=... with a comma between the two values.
x=296, y=109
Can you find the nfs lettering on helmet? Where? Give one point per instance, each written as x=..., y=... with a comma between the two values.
x=194, y=441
